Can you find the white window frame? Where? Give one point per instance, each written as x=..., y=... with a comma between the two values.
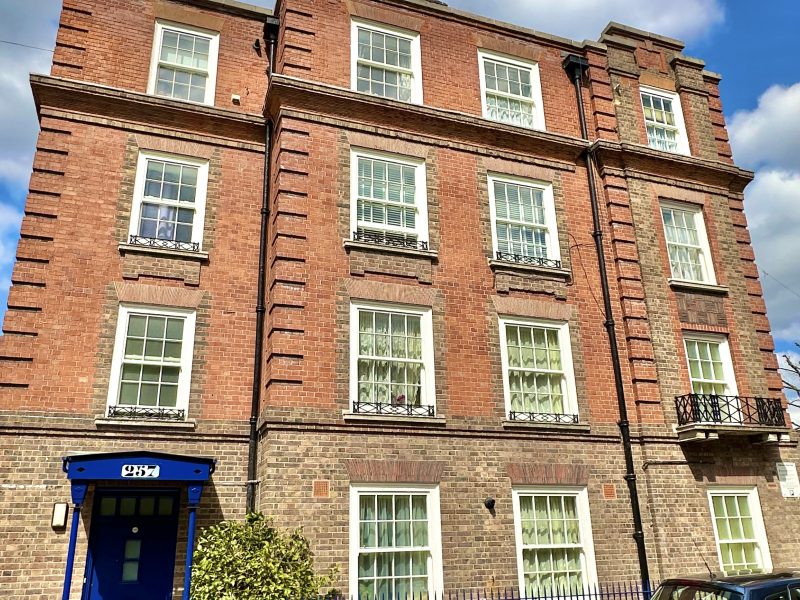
x=702, y=235
x=758, y=520
x=213, y=54
x=198, y=224
x=435, y=570
x=416, y=56
x=680, y=125
x=724, y=354
x=420, y=184
x=187, y=350
x=428, y=389
x=536, y=85
x=553, y=245
x=581, y=495
x=569, y=390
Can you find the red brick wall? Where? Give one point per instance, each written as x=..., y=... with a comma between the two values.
x=61, y=319
x=112, y=43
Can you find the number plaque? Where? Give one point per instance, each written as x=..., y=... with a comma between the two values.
x=141, y=471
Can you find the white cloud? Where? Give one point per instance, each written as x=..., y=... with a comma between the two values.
x=32, y=23
x=10, y=219
x=768, y=135
x=768, y=138
x=585, y=19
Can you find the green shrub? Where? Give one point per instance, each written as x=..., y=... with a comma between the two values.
x=252, y=560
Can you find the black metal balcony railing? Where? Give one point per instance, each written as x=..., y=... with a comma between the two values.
x=729, y=410
x=382, y=408
x=138, y=240
x=154, y=413
x=533, y=417
x=387, y=239
x=538, y=261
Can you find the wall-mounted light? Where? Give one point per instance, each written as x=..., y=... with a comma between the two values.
x=489, y=503
x=58, y=520
x=257, y=45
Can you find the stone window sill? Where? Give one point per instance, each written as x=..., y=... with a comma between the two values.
x=554, y=427
x=134, y=249
x=351, y=417
x=693, y=286
x=523, y=269
x=189, y=424
x=428, y=254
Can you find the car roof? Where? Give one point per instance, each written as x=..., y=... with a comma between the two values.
x=739, y=583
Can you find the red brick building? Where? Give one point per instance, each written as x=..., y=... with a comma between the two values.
x=437, y=398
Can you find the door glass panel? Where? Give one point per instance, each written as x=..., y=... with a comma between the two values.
x=108, y=506
x=165, y=505
x=132, y=549
x=147, y=506
x=130, y=571
x=127, y=507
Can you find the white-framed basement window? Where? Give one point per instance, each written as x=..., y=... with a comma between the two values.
x=386, y=62
x=184, y=63
x=389, y=204
x=663, y=119
x=538, y=378
x=523, y=221
x=710, y=367
x=391, y=360
x=742, y=545
x=395, y=542
x=151, y=367
x=687, y=242
x=511, y=91
x=169, y=200
x=555, y=550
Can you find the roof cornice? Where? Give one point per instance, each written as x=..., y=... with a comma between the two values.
x=128, y=106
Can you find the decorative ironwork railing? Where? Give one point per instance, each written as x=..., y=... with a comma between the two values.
x=731, y=410
x=138, y=240
x=382, y=408
x=533, y=417
x=387, y=239
x=538, y=261
x=155, y=413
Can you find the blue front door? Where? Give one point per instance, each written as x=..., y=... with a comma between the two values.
x=132, y=546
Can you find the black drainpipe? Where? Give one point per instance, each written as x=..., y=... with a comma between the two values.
x=271, y=37
x=575, y=66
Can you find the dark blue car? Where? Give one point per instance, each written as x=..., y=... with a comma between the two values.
x=776, y=586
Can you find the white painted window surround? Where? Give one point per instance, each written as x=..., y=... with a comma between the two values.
x=538, y=377
x=169, y=198
x=663, y=118
x=511, y=90
x=742, y=546
x=385, y=61
x=152, y=361
x=523, y=218
x=183, y=65
x=555, y=549
x=688, y=249
x=395, y=541
x=388, y=197
x=391, y=355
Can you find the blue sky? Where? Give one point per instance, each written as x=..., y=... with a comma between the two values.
x=750, y=43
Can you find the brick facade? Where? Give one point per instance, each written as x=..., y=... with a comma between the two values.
x=75, y=266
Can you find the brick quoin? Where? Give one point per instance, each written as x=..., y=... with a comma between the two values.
x=75, y=266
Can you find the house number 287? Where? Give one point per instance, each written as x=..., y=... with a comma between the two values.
x=141, y=471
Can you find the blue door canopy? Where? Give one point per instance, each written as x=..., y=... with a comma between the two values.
x=138, y=465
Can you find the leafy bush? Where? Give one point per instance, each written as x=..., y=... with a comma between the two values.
x=252, y=560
